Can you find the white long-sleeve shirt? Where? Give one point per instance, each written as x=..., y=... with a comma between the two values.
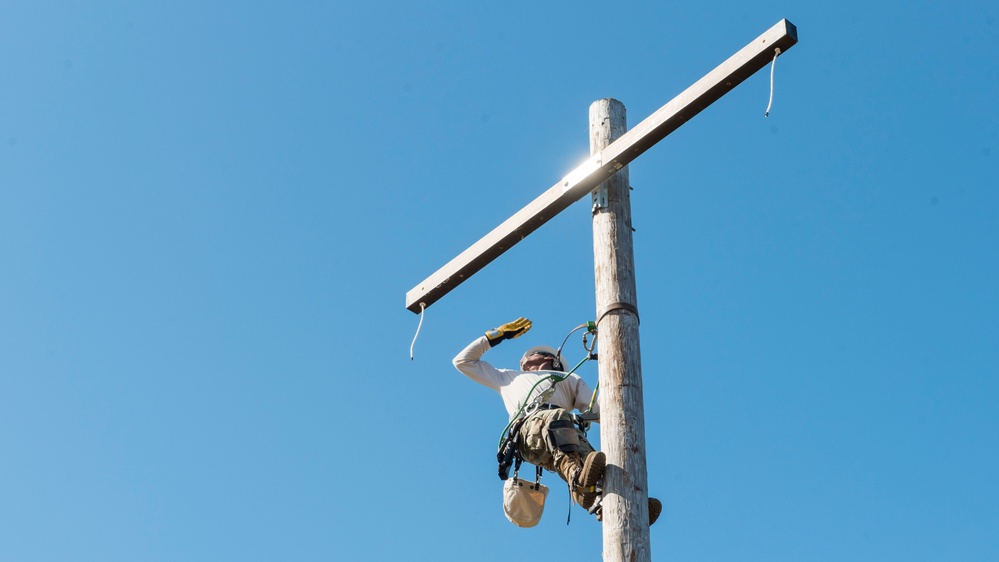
x=514, y=386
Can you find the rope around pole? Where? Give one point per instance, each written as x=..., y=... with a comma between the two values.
x=772, y=66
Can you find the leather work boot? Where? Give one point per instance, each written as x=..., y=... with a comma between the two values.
x=593, y=469
x=585, y=482
x=655, y=510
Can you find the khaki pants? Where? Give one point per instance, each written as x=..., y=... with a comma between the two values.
x=537, y=445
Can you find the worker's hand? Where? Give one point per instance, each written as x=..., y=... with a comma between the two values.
x=508, y=331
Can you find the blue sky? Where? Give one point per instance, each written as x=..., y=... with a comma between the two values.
x=210, y=213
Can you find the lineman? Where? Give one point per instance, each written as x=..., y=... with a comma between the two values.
x=547, y=438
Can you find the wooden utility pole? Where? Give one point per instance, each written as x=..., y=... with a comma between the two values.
x=622, y=427
x=622, y=411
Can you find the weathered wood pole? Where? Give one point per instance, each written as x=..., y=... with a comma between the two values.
x=622, y=412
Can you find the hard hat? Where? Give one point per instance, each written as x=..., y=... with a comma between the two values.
x=545, y=349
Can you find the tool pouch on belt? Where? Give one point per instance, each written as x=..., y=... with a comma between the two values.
x=508, y=450
x=563, y=433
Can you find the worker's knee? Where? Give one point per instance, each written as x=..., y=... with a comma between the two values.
x=585, y=447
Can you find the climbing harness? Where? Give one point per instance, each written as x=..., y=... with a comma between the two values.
x=529, y=407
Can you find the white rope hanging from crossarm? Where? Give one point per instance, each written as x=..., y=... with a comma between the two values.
x=423, y=308
x=772, y=66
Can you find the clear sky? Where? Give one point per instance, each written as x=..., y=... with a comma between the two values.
x=210, y=213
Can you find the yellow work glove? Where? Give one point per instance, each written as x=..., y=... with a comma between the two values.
x=508, y=331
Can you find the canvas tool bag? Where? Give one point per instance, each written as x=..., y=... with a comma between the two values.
x=524, y=501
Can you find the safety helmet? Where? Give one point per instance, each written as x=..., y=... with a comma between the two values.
x=545, y=349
